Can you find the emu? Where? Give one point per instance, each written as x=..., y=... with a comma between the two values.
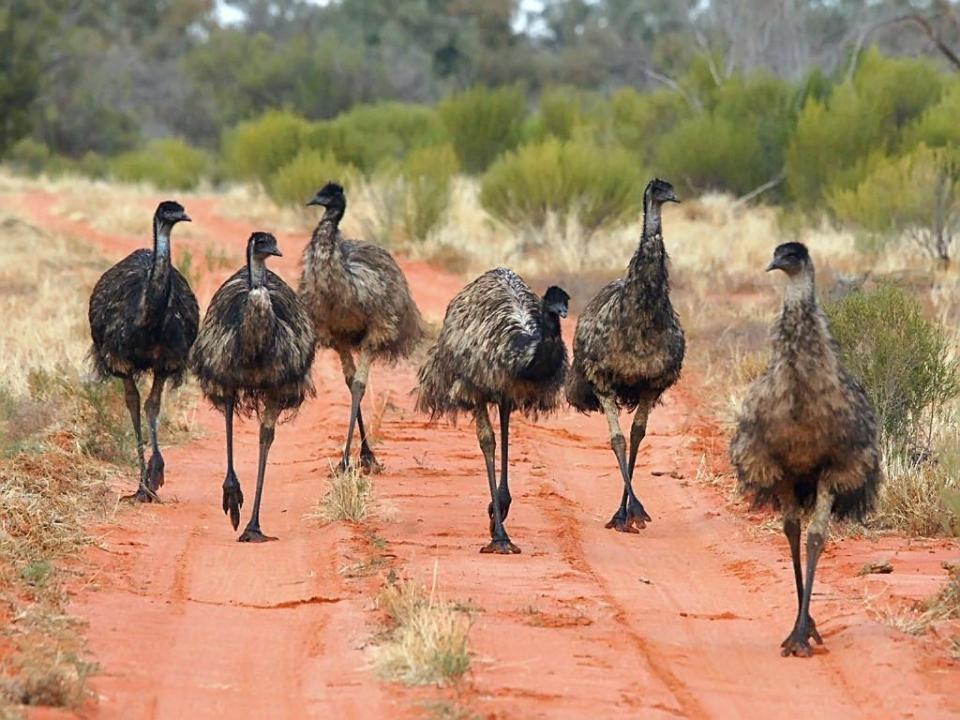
x=253, y=355
x=806, y=435
x=144, y=316
x=500, y=344
x=628, y=349
x=358, y=300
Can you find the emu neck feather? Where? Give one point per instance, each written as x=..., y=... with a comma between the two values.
x=647, y=277
x=157, y=292
x=256, y=271
x=256, y=327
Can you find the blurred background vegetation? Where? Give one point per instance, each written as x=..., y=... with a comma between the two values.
x=844, y=106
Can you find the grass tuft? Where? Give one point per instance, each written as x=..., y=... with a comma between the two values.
x=350, y=497
x=428, y=639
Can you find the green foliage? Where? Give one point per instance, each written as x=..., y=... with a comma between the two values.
x=639, y=120
x=29, y=156
x=601, y=186
x=296, y=182
x=428, y=176
x=168, y=164
x=482, y=123
x=834, y=139
x=256, y=149
x=938, y=126
x=902, y=359
x=917, y=194
x=370, y=135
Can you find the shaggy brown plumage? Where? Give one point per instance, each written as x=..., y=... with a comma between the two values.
x=807, y=435
x=500, y=344
x=144, y=316
x=358, y=300
x=254, y=354
x=628, y=349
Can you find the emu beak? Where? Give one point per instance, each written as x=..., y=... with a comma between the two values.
x=314, y=201
x=773, y=266
x=673, y=198
x=185, y=218
x=276, y=252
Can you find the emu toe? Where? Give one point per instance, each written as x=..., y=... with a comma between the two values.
x=368, y=463
x=155, y=472
x=798, y=641
x=632, y=520
x=502, y=546
x=253, y=535
x=143, y=495
x=232, y=499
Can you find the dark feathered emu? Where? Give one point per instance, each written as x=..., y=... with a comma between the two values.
x=500, y=344
x=253, y=355
x=358, y=299
x=144, y=316
x=628, y=349
x=807, y=435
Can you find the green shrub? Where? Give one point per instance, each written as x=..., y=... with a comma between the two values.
x=369, y=136
x=834, y=139
x=902, y=359
x=28, y=156
x=168, y=163
x=428, y=175
x=297, y=181
x=639, y=120
x=256, y=149
x=482, y=123
x=938, y=126
x=601, y=186
x=917, y=194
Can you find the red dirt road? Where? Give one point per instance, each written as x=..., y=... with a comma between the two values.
x=683, y=620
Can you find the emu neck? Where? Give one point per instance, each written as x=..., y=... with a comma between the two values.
x=256, y=271
x=158, y=286
x=801, y=331
x=800, y=289
x=325, y=234
x=647, y=277
x=549, y=355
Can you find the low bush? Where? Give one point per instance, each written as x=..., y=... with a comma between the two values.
x=482, y=123
x=167, y=164
x=639, y=120
x=295, y=182
x=428, y=177
x=903, y=360
x=256, y=149
x=600, y=186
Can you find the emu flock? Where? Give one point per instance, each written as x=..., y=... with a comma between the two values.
x=806, y=438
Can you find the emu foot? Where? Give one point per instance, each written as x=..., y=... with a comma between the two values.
x=501, y=546
x=504, y=500
x=155, y=472
x=232, y=498
x=798, y=641
x=143, y=495
x=368, y=463
x=253, y=535
x=633, y=519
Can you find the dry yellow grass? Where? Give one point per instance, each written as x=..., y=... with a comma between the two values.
x=350, y=497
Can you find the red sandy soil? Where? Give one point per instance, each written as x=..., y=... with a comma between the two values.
x=683, y=620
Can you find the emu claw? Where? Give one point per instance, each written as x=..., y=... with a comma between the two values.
x=253, y=535
x=369, y=464
x=501, y=547
x=798, y=641
x=143, y=495
x=632, y=520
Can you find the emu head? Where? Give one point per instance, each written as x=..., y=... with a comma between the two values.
x=556, y=301
x=792, y=258
x=262, y=245
x=329, y=196
x=659, y=191
x=169, y=213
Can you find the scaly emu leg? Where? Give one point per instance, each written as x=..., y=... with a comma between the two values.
x=357, y=389
x=791, y=528
x=368, y=462
x=503, y=493
x=232, y=495
x=132, y=397
x=637, y=432
x=152, y=406
x=268, y=421
x=798, y=642
x=634, y=514
x=499, y=542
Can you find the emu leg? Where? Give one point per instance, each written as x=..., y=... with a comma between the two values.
x=791, y=528
x=268, y=422
x=499, y=542
x=798, y=642
x=232, y=495
x=630, y=517
x=132, y=397
x=503, y=492
x=638, y=430
x=368, y=462
x=357, y=389
x=152, y=406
